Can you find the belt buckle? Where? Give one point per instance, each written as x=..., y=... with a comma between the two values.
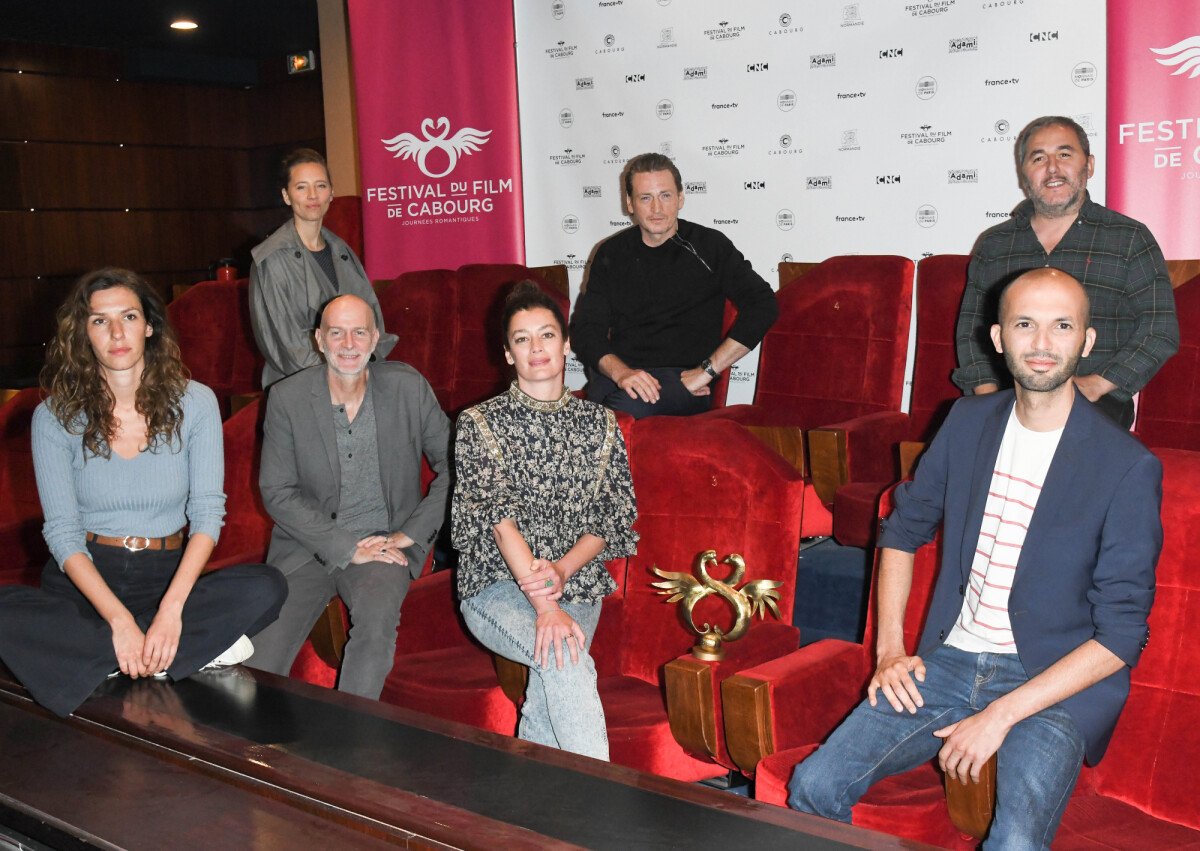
x=135, y=543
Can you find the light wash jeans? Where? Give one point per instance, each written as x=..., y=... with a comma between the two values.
x=562, y=707
x=1037, y=768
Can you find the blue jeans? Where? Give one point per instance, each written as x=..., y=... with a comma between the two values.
x=562, y=707
x=1037, y=768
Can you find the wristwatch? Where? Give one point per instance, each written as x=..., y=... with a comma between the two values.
x=707, y=366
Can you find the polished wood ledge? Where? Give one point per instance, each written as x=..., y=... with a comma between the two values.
x=247, y=759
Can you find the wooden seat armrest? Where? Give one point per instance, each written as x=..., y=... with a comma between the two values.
x=329, y=634
x=513, y=678
x=828, y=461
x=910, y=453
x=787, y=441
x=691, y=709
x=972, y=804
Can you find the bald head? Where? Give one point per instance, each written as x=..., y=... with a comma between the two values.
x=1043, y=283
x=348, y=335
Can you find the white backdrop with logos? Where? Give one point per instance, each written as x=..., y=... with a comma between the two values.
x=802, y=130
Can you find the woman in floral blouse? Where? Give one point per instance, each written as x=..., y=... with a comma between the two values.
x=543, y=498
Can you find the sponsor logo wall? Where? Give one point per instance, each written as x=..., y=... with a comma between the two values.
x=1154, y=126
x=802, y=130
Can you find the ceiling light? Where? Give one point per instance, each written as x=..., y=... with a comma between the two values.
x=184, y=24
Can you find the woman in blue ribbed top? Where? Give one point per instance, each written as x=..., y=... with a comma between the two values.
x=127, y=453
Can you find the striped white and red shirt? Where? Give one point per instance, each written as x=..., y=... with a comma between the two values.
x=1021, y=464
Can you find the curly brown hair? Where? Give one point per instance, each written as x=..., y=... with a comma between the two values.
x=78, y=393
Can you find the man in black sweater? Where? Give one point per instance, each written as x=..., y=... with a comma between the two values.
x=648, y=323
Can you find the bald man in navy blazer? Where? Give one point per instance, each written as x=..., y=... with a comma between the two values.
x=1051, y=534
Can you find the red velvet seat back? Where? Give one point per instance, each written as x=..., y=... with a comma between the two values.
x=1169, y=406
x=940, y=283
x=417, y=307
x=247, y=529
x=837, y=350
x=703, y=484
x=21, y=539
x=344, y=218
x=1150, y=762
x=212, y=322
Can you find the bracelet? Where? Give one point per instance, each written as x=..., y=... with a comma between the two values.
x=707, y=366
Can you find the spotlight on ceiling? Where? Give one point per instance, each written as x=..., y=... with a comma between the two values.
x=184, y=24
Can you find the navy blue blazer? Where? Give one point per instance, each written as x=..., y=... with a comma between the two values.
x=1087, y=567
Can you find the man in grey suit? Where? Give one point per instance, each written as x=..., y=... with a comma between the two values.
x=341, y=477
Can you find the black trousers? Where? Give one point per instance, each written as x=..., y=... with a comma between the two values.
x=674, y=399
x=59, y=647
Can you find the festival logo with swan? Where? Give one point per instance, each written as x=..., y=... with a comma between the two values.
x=462, y=143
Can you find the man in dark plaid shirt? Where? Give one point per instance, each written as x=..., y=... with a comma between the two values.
x=1114, y=257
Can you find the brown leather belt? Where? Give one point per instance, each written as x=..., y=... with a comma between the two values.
x=137, y=543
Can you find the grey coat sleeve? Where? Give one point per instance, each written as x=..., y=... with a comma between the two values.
x=279, y=316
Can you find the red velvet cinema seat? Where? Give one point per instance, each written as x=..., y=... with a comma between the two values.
x=700, y=484
x=247, y=530
x=25, y=551
x=1141, y=795
x=212, y=322
x=835, y=358
x=939, y=289
x=1169, y=405
x=448, y=323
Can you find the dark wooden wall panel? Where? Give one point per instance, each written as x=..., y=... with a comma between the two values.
x=163, y=178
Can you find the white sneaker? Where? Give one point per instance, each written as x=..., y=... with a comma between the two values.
x=241, y=650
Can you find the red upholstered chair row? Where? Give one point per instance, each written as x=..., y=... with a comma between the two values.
x=1141, y=795
x=743, y=499
x=1169, y=405
x=835, y=358
x=25, y=551
x=448, y=323
x=939, y=289
x=212, y=321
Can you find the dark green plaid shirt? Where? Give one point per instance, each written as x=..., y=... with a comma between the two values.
x=1121, y=267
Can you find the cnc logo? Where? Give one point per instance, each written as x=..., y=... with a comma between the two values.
x=558, y=8
x=582, y=83
x=664, y=109
x=570, y=223
x=695, y=187
x=635, y=78
x=891, y=53
x=785, y=220
x=926, y=88
x=591, y=192
x=754, y=67
x=700, y=72
x=462, y=144
x=822, y=182
x=566, y=118
x=562, y=50
x=927, y=215
x=962, y=175
x=887, y=179
x=851, y=16
x=1185, y=54
x=786, y=100
x=754, y=184
x=822, y=60
x=1083, y=74
x=1044, y=35
x=967, y=44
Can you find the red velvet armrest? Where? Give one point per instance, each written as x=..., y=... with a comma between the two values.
x=859, y=450
x=795, y=700
x=745, y=414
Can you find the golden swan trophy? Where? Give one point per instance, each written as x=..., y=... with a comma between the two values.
x=752, y=598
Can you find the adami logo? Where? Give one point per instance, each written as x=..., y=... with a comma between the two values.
x=1185, y=54
x=463, y=143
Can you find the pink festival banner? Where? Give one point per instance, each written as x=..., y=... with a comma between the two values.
x=438, y=133
x=1154, y=119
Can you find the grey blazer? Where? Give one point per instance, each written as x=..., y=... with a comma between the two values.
x=288, y=289
x=300, y=477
